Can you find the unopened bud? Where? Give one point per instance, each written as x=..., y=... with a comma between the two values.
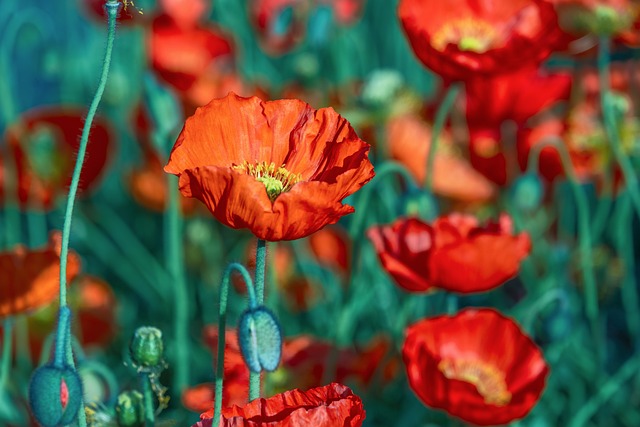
x=260, y=339
x=146, y=347
x=527, y=192
x=55, y=395
x=129, y=409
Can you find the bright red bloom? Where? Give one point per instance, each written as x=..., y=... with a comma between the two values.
x=333, y=405
x=459, y=39
x=43, y=145
x=454, y=253
x=31, y=278
x=477, y=365
x=278, y=168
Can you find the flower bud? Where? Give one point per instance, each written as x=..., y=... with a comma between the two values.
x=129, y=409
x=260, y=339
x=527, y=192
x=146, y=347
x=55, y=395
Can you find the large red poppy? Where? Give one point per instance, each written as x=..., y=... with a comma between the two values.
x=333, y=405
x=454, y=253
x=31, y=278
x=43, y=145
x=477, y=365
x=278, y=168
x=459, y=39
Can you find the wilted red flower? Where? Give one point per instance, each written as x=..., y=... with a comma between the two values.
x=43, y=145
x=409, y=140
x=333, y=405
x=454, y=253
x=476, y=365
x=278, y=168
x=459, y=39
x=31, y=278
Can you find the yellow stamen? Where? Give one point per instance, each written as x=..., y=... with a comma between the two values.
x=468, y=34
x=488, y=380
x=276, y=180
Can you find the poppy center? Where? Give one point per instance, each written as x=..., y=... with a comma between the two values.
x=488, y=380
x=276, y=180
x=468, y=34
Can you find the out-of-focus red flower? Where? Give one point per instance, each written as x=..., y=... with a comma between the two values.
x=279, y=23
x=182, y=55
x=331, y=247
x=409, y=140
x=477, y=365
x=43, y=145
x=278, y=168
x=94, y=303
x=304, y=360
x=460, y=39
x=513, y=97
x=333, y=405
x=185, y=13
x=345, y=12
x=454, y=253
x=31, y=278
x=148, y=185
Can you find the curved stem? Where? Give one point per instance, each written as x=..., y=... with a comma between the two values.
x=5, y=364
x=175, y=264
x=222, y=324
x=584, y=233
x=261, y=264
x=610, y=125
x=438, y=124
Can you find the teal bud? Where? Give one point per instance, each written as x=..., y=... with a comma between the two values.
x=55, y=395
x=419, y=203
x=146, y=347
x=526, y=192
x=130, y=409
x=260, y=339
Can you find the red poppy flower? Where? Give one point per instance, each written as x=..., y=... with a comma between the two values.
x=278, y=168
x=477, y=365
x=279, y=23
x=95, y=308
x=454, y=253
x=333, y=405
x=44, y=143
x=453, y=177
x=182, y=55
x=459, y=39
x=185, y=13
x=31, y=278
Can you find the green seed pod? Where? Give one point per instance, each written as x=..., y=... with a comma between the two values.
x=146, y=347
x=55, y=395
x=130, y=409
x=526, y=192
x=260, y=339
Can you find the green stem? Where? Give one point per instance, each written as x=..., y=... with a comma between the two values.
x=149, y=412
x=584, y=235
x=261, y=264
x=222, y=324
x=5, y=364
x=610, y=126
x=438, y=124
x=606, y=392
x=175, y=264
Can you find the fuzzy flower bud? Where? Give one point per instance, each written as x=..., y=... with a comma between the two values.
x=129, y=409
x=146, y=347
x=260, y=339
x=55, y=395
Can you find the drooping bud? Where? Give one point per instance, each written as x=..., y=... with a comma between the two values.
x=146, y=347
x=260, y=339
x=526, y=192
x=55, y=395
x=130, y=409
